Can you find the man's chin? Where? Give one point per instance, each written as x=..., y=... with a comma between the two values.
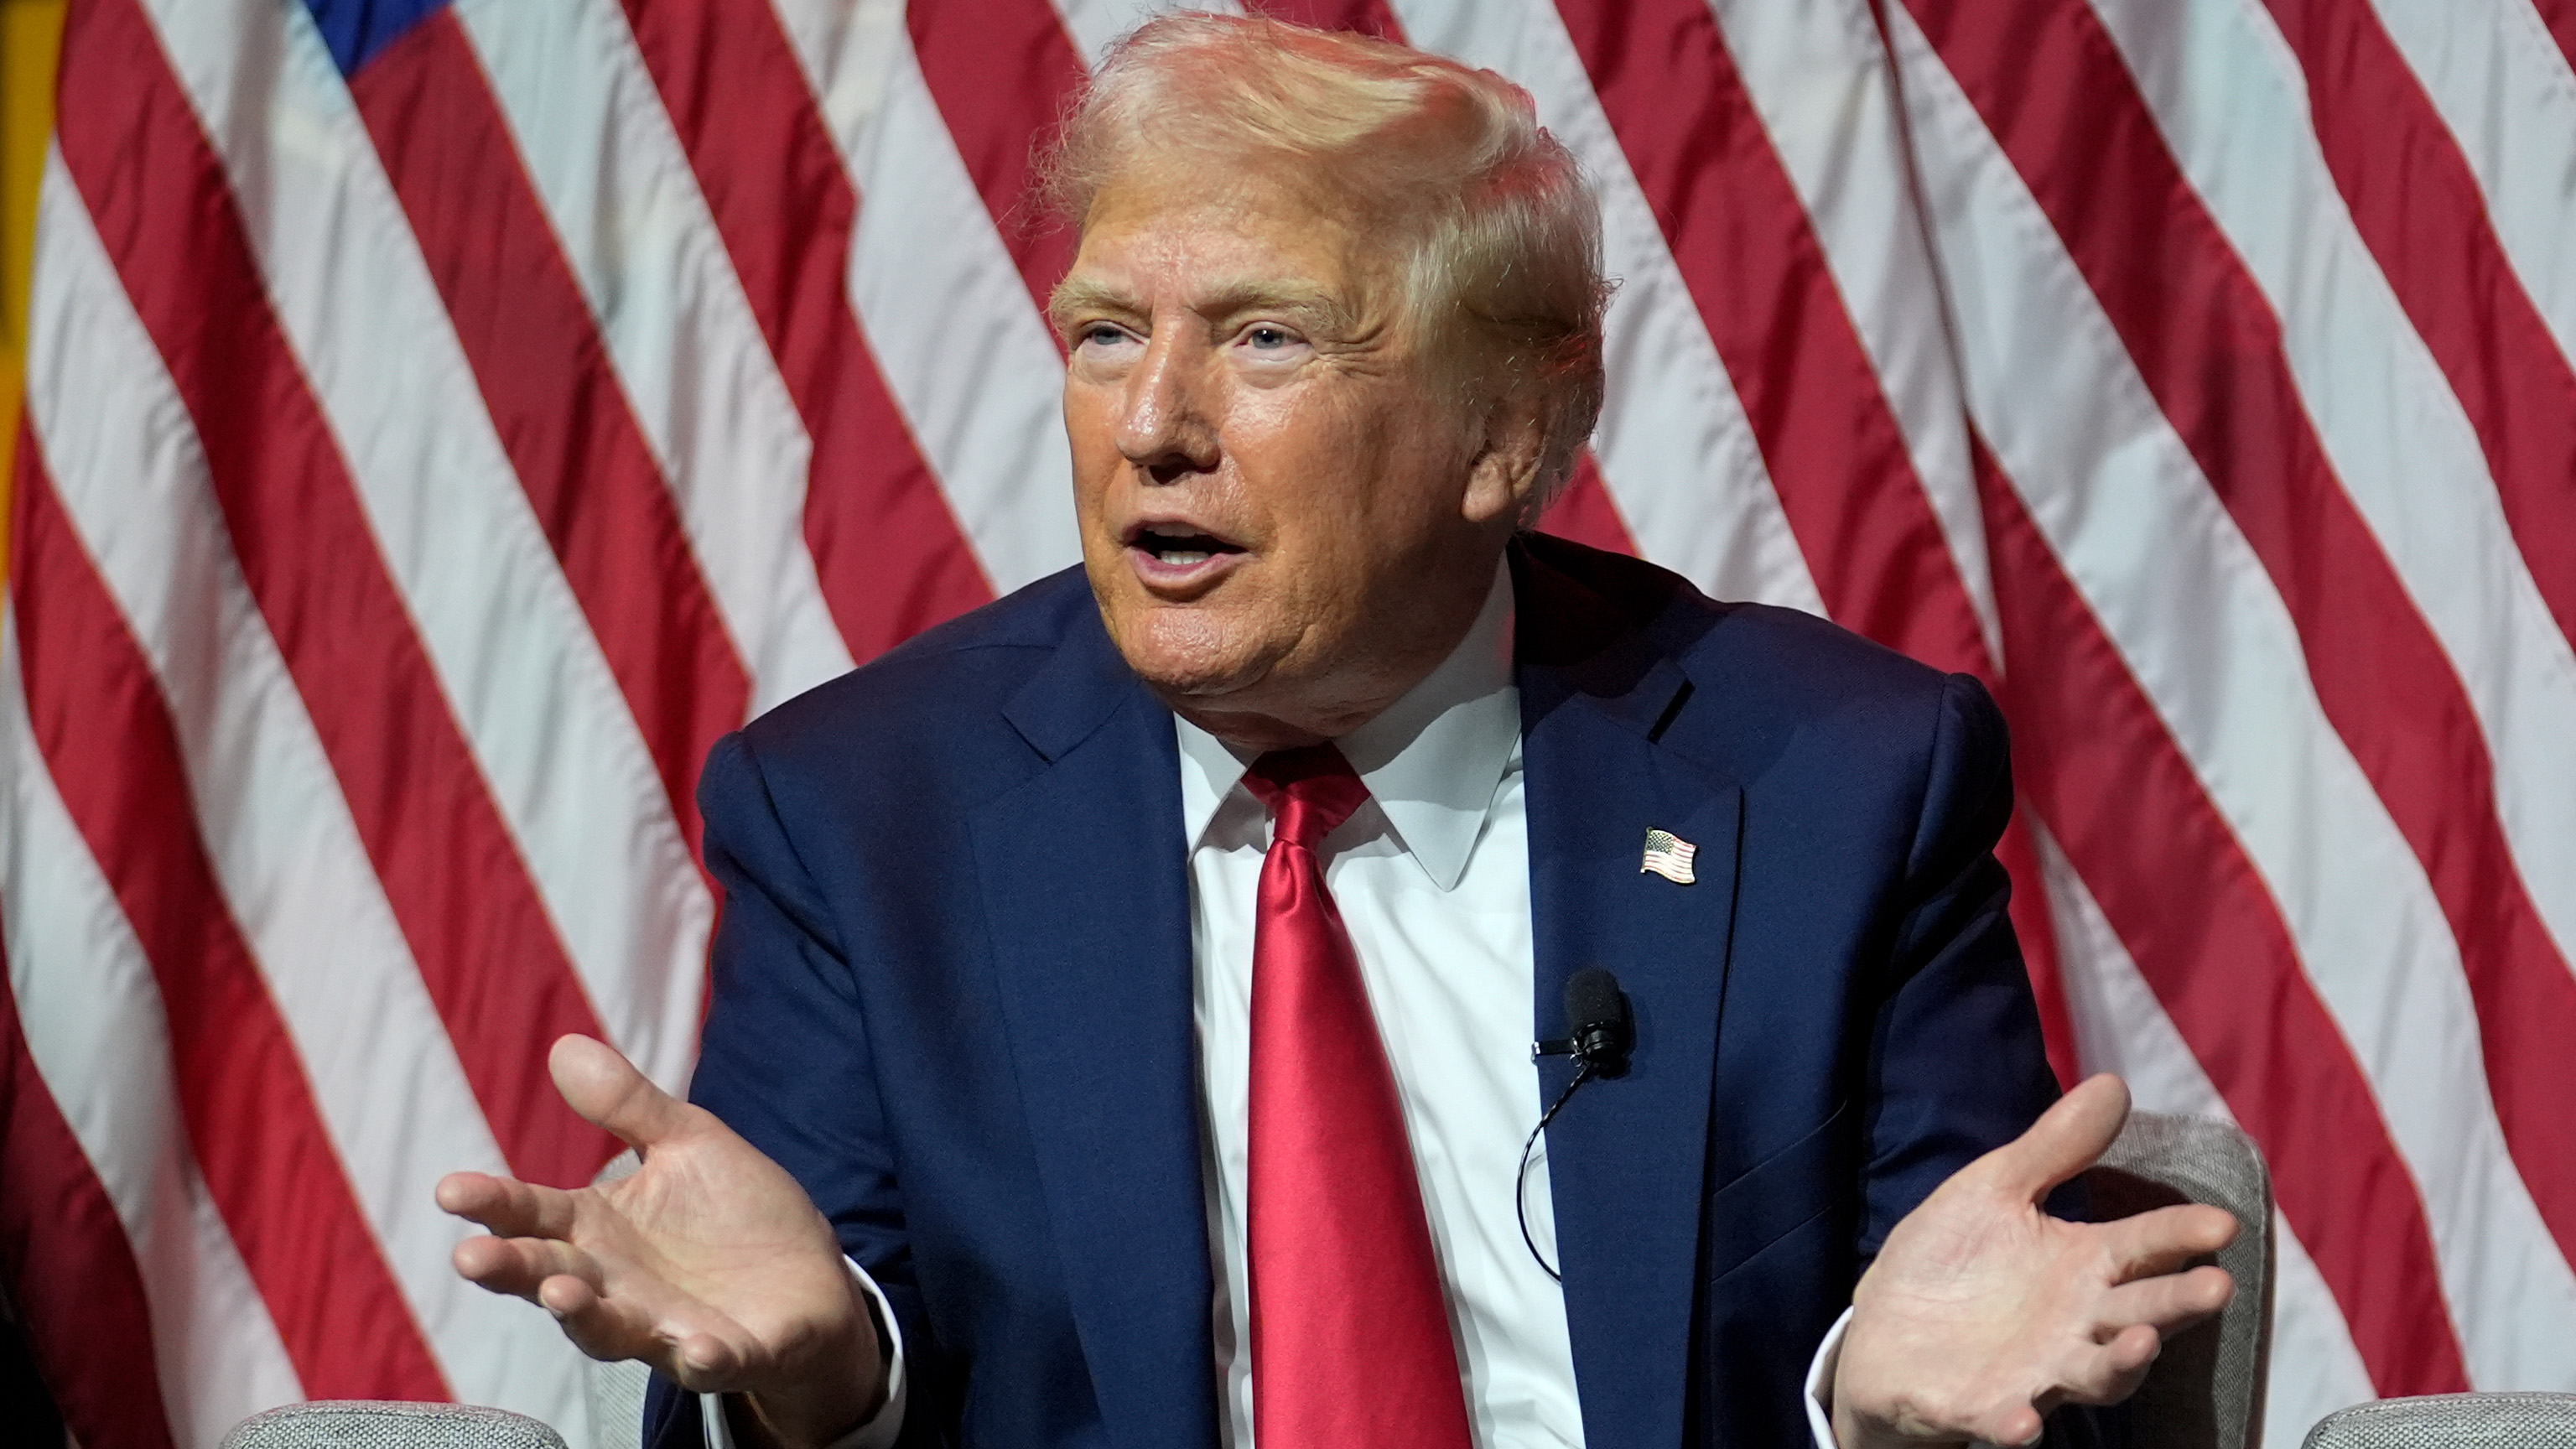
x=1231, y=697
x=1189, y=651
x=1202, y=684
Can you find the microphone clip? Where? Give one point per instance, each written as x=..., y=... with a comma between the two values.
x=1604, y=1031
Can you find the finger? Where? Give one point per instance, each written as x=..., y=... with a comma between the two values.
x=2170, y=1303
x=518, y=1266
x=2068, y=1138
x=2112, y=1371
x=2005, y=1417
x=567, y=1297
x=2019, y=1425
x=704, y=1363
x=507, y=1206
x=2166, y=1238
x=598, y=1325
x=594, y=1325
x=610, y=1327
x=608, y=1092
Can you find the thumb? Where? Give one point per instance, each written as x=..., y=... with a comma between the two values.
x=608, y=1092
x=2069, y=1137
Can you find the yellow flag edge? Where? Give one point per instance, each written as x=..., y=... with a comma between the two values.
x=31, y=35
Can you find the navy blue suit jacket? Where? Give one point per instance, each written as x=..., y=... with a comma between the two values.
x=953, y=997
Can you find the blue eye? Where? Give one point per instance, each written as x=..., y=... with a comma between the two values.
x=1268, y=338
x=1103, y=334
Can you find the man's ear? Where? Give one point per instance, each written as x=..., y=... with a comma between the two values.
x=1504, y=475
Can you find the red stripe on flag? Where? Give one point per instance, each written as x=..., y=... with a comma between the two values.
x=545, y=376
x=891, y=556
x=2419, y=209
x=1749, y=255
x=1001, y=74
x=2035, y=927
x=108, y=739
x=2051, y=87
x=486, y=950
x=2177, y=886
x=64, y=1255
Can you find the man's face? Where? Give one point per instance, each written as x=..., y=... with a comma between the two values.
x=1283, y=513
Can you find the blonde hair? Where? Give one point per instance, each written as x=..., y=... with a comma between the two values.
x=1499, y=237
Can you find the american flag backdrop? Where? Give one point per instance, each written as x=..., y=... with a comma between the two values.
x=443, y=420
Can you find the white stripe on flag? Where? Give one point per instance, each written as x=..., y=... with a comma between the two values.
x=220, y=1357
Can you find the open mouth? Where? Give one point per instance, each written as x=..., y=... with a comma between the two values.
x=1177, y=545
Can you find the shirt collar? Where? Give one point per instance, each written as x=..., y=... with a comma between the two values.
x=1431, y=760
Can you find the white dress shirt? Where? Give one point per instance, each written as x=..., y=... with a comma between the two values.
x=1432, y=880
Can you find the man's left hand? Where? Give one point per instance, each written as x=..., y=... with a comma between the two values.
x=1983, y=1313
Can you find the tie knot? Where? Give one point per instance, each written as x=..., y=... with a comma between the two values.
x=1310, y=791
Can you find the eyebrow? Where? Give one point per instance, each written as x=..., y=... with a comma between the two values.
x=1229, y=299
x=1077, y=294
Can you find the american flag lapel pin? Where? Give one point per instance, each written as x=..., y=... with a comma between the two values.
x=1669, y=856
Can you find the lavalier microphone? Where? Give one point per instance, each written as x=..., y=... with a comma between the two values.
x=1603, y=1033
x=1597, y=1012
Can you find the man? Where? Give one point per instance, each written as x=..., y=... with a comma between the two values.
x=1136, y=981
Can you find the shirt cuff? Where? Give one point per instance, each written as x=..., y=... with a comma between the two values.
x=879, y=1431
x=1820, y=1382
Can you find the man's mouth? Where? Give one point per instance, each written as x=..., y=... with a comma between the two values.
x=1177, y=546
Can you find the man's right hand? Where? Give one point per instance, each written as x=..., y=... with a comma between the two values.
x=709, y=1263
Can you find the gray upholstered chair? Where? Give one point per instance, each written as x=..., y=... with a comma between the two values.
x=2206, y=1389
x=2486, y=1421
x=373, y=1424
x=616, y=1402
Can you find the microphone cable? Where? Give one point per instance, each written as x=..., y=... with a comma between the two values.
x=1520, y=1178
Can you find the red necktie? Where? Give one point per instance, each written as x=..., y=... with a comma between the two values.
x=1350, y=1328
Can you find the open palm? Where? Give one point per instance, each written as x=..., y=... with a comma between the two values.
x=708, y=1263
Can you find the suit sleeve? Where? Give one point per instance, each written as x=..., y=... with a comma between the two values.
x=784, y=1058
x=1957, y=1063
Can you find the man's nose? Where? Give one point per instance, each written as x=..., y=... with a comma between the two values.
x=1166, y=429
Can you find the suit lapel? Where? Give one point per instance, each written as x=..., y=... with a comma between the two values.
x=1627, y=1158
x=1085, y=881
